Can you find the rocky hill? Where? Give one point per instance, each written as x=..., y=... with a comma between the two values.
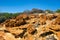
x=31, y=27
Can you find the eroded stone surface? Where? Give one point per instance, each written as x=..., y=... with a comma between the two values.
x=31, y=27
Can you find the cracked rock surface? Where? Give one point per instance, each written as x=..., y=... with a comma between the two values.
x=31, y=27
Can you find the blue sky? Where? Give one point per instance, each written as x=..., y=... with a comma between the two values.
x=21, y=5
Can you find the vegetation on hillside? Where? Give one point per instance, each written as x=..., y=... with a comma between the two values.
x=58, y=11
x=5, y=16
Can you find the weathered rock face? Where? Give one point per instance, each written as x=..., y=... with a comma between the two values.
x=31, y=27
x=57, y=21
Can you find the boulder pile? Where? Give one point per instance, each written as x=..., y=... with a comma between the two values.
x=31, y=27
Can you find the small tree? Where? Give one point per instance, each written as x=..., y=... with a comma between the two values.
x=2, y=19
x=58, y=11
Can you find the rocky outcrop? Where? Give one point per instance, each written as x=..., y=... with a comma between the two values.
x=31, y=27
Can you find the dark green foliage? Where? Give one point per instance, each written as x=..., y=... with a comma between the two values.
x=2, y=19
x=58, y=11
x=5, y=16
